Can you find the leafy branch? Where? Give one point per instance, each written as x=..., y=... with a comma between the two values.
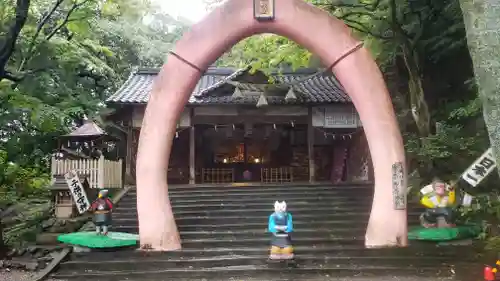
x=8, y=47
x=33, y=47
x=39, y=28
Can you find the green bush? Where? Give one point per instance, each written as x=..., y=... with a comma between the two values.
x=18, y=182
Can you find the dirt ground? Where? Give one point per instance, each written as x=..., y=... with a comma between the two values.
x=473, y=274
x=15, y=275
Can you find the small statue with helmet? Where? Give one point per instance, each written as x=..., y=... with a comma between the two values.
x=102, y=208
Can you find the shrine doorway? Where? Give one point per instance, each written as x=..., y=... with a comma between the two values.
x=236, y=153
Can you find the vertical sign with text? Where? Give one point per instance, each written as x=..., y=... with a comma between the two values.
x=480, y=169
x=77, y=191
x=399, y=186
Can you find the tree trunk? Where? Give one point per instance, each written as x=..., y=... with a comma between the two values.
x=419, y=108
x=482, y=24
x=8, y=44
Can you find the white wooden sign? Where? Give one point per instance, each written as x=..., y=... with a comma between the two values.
x=77, y=191
x=480, y=169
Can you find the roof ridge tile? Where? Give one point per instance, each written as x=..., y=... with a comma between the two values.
x=323, y=89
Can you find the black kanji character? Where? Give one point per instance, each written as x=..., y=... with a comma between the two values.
x=77, y=189
x=80, y=199
x=83, y=207
x=479, y=170
x=487, y=162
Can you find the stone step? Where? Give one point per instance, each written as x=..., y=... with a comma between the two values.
x=259, y=198
x=295, y=211
x=224, y=237
x=256, y=205
x=274, y=271
x=338, y=206
x=309, y=277
x=264, y=192
x=179, y=189
x=340, y=226
x=258, y=217
x=416, y=249
x=149, y=263
x=299, y=225
x=258, y=233
x=257, y=241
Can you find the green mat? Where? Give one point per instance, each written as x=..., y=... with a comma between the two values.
x=444, y=234
x=92, y=240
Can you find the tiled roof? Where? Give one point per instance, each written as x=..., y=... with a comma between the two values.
x=88, y=129
x=321, y=89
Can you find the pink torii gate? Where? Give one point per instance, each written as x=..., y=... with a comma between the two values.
x=327, y=37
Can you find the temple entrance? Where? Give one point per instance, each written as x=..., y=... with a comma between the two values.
x=270, y=153
x=340, y=52
x=239, y=153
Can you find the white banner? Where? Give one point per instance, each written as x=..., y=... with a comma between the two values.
x=77, y=191
x=480, y=169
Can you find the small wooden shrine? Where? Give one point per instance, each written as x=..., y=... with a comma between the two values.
x=89, y=151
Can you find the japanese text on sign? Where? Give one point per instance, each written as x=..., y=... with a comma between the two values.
x=77, y=191
x=481, y=168
x=398, y=186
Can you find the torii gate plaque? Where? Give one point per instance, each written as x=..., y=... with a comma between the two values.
x=263, y=10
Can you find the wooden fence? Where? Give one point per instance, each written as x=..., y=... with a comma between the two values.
x=101, y=173
x=276, y=175
x=217, y=175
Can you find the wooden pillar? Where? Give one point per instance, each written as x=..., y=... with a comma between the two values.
x=310, y=147
x=129, y=154
x=192, y=149
x=100, y=173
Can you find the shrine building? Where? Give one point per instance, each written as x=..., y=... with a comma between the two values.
x=243, y=126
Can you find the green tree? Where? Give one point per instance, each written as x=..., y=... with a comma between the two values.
x=59, y=59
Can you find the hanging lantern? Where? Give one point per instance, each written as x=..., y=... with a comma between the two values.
x=262, y=101
x=290, y=96
x=263, y=10
x=237, y=94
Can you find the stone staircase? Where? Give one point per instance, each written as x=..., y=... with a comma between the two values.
x=224, y=237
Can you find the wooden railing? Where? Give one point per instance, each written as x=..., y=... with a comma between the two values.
x=276, y=175
x=217, y=175
x=101, y=173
